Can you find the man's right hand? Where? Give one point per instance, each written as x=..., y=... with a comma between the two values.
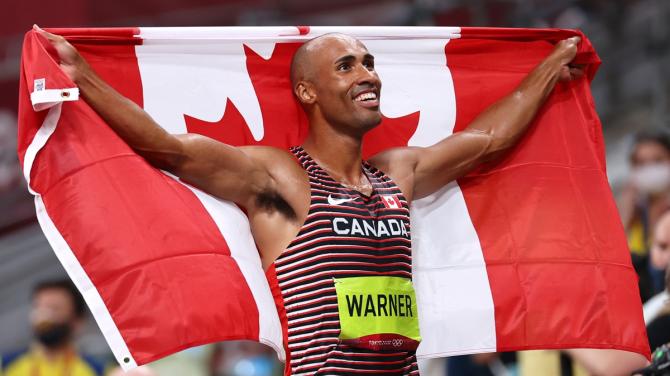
x=71, y=61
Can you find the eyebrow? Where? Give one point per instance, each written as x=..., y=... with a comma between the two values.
x=348, y=58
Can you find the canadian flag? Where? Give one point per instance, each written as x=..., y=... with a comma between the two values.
x=391, y=201
x=524, y=253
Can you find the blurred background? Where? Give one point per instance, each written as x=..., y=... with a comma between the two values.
x=631, y=93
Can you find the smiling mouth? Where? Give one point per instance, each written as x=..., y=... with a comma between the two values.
x=367, y=99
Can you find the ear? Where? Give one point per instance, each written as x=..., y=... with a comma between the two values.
x=305, y=92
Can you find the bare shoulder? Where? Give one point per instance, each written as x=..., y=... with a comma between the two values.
x=261, y=153
x=399, y=164
x=395, y=160
x=279, y=162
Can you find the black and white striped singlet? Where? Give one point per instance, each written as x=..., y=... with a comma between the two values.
x=345, y=234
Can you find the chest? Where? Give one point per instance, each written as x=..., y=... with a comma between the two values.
x=337, y=213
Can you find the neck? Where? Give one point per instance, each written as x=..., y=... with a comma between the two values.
x=338, y=153
x=53, y=353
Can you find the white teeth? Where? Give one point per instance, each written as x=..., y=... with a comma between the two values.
x=365, y=96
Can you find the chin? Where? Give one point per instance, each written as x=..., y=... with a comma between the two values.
x=370, y=119
x=360, y=123
x=373, y=121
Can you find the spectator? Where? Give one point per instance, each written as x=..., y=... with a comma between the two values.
x=548, y=363
x=660, y=257
x=57, y=314
x=658, y=330
x=660, y=249
x=643, y=201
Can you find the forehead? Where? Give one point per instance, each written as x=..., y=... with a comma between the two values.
x=650, y=151
x=329, y=48
x=53, y=297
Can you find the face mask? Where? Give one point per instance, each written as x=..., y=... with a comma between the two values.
x=652, y=178
x=54, y=335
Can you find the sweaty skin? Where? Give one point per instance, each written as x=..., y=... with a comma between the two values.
x=328, y=73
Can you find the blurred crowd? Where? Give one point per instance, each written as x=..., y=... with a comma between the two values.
x=57, y=316
x=631, y=94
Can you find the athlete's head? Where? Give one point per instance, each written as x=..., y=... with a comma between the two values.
x=334, y=78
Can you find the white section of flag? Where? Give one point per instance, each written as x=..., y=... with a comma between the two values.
x=456, y=313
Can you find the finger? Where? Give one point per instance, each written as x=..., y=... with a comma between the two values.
x=46, y=34
x=575, y=39
x=564, y=74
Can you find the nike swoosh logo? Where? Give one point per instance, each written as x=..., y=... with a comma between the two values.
x=336, y=201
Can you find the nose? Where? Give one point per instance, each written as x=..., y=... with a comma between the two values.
x=367, y=76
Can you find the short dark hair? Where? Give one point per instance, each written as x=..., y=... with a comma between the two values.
x=658, y=137
x=66, y=285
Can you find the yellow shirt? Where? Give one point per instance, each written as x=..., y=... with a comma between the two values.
x=545, y=363
x=637, y=239
x=34, y=363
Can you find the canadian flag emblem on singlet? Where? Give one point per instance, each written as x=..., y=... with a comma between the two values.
x=391, y=201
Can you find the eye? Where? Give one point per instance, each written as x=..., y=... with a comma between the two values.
x=343, y=67
x=369, y=64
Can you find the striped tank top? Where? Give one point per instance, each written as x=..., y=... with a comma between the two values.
x=345, y=234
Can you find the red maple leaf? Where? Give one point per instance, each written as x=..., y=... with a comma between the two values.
x=285, y=123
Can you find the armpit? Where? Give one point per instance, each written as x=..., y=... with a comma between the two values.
x=271, y=200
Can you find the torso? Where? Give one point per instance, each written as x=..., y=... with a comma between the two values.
x=344, y=234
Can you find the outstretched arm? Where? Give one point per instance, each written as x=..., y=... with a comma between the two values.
x=222, y=170
x=426, y=170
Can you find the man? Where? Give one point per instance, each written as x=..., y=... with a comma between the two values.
x=57, y=313
x=658, y=329
x=660, y=248
x=643, y=201
x=660, y=259
x=333, y=231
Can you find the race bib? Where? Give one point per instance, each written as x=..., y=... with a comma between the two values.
x=378, y=313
